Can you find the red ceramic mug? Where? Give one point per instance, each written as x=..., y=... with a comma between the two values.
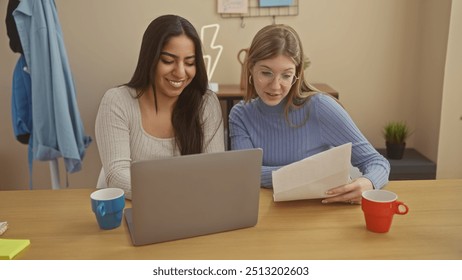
x=379, y=206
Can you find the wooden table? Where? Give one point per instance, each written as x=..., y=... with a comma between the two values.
x=61, y=225
x=232, y=93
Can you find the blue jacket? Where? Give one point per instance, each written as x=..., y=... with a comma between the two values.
x=21, y=102
x=57, y=127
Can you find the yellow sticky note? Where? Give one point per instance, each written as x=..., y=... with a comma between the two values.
x=9, y=248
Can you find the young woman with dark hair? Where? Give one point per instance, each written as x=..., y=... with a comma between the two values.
x=165, y=109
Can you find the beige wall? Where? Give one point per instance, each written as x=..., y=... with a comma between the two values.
x=432, y=44
x=385, y=57
x=450, y=150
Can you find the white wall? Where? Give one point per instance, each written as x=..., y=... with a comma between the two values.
x=372, y=51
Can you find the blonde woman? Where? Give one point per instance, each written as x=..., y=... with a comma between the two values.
x=290, y=120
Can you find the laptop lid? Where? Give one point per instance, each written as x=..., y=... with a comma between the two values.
x=192, y=195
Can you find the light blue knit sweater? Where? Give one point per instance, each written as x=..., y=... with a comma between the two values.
x=257, y=125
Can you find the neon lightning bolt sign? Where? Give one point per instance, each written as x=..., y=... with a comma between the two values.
x=208, y=59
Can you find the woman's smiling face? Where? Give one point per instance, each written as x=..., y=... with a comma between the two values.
x=176, y=67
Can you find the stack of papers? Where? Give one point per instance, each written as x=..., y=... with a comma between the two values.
x=311, y=177
x=9, y=248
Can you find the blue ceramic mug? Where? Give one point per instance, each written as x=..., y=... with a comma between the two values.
x=108, y=205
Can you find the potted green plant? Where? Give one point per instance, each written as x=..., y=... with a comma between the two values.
x=396, y=133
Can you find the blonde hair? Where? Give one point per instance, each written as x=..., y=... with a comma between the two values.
x=269, y=42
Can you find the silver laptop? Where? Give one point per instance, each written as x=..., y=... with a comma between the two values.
x=193, y=195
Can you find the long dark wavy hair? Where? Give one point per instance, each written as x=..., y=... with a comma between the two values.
x=186, y=116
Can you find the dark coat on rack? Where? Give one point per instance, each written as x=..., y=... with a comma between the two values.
x=11, y=30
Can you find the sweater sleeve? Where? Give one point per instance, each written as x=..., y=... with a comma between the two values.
x=338, y=128
x=112, y=137
x=241, y=139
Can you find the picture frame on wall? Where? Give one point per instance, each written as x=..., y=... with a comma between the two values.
x=232, y=6
x=275, y=3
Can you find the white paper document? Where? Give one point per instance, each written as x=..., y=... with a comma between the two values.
x=311, y=177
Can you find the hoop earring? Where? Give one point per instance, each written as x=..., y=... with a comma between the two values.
x=250, y=79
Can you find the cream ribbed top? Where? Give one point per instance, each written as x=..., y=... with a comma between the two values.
x=121, y=138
